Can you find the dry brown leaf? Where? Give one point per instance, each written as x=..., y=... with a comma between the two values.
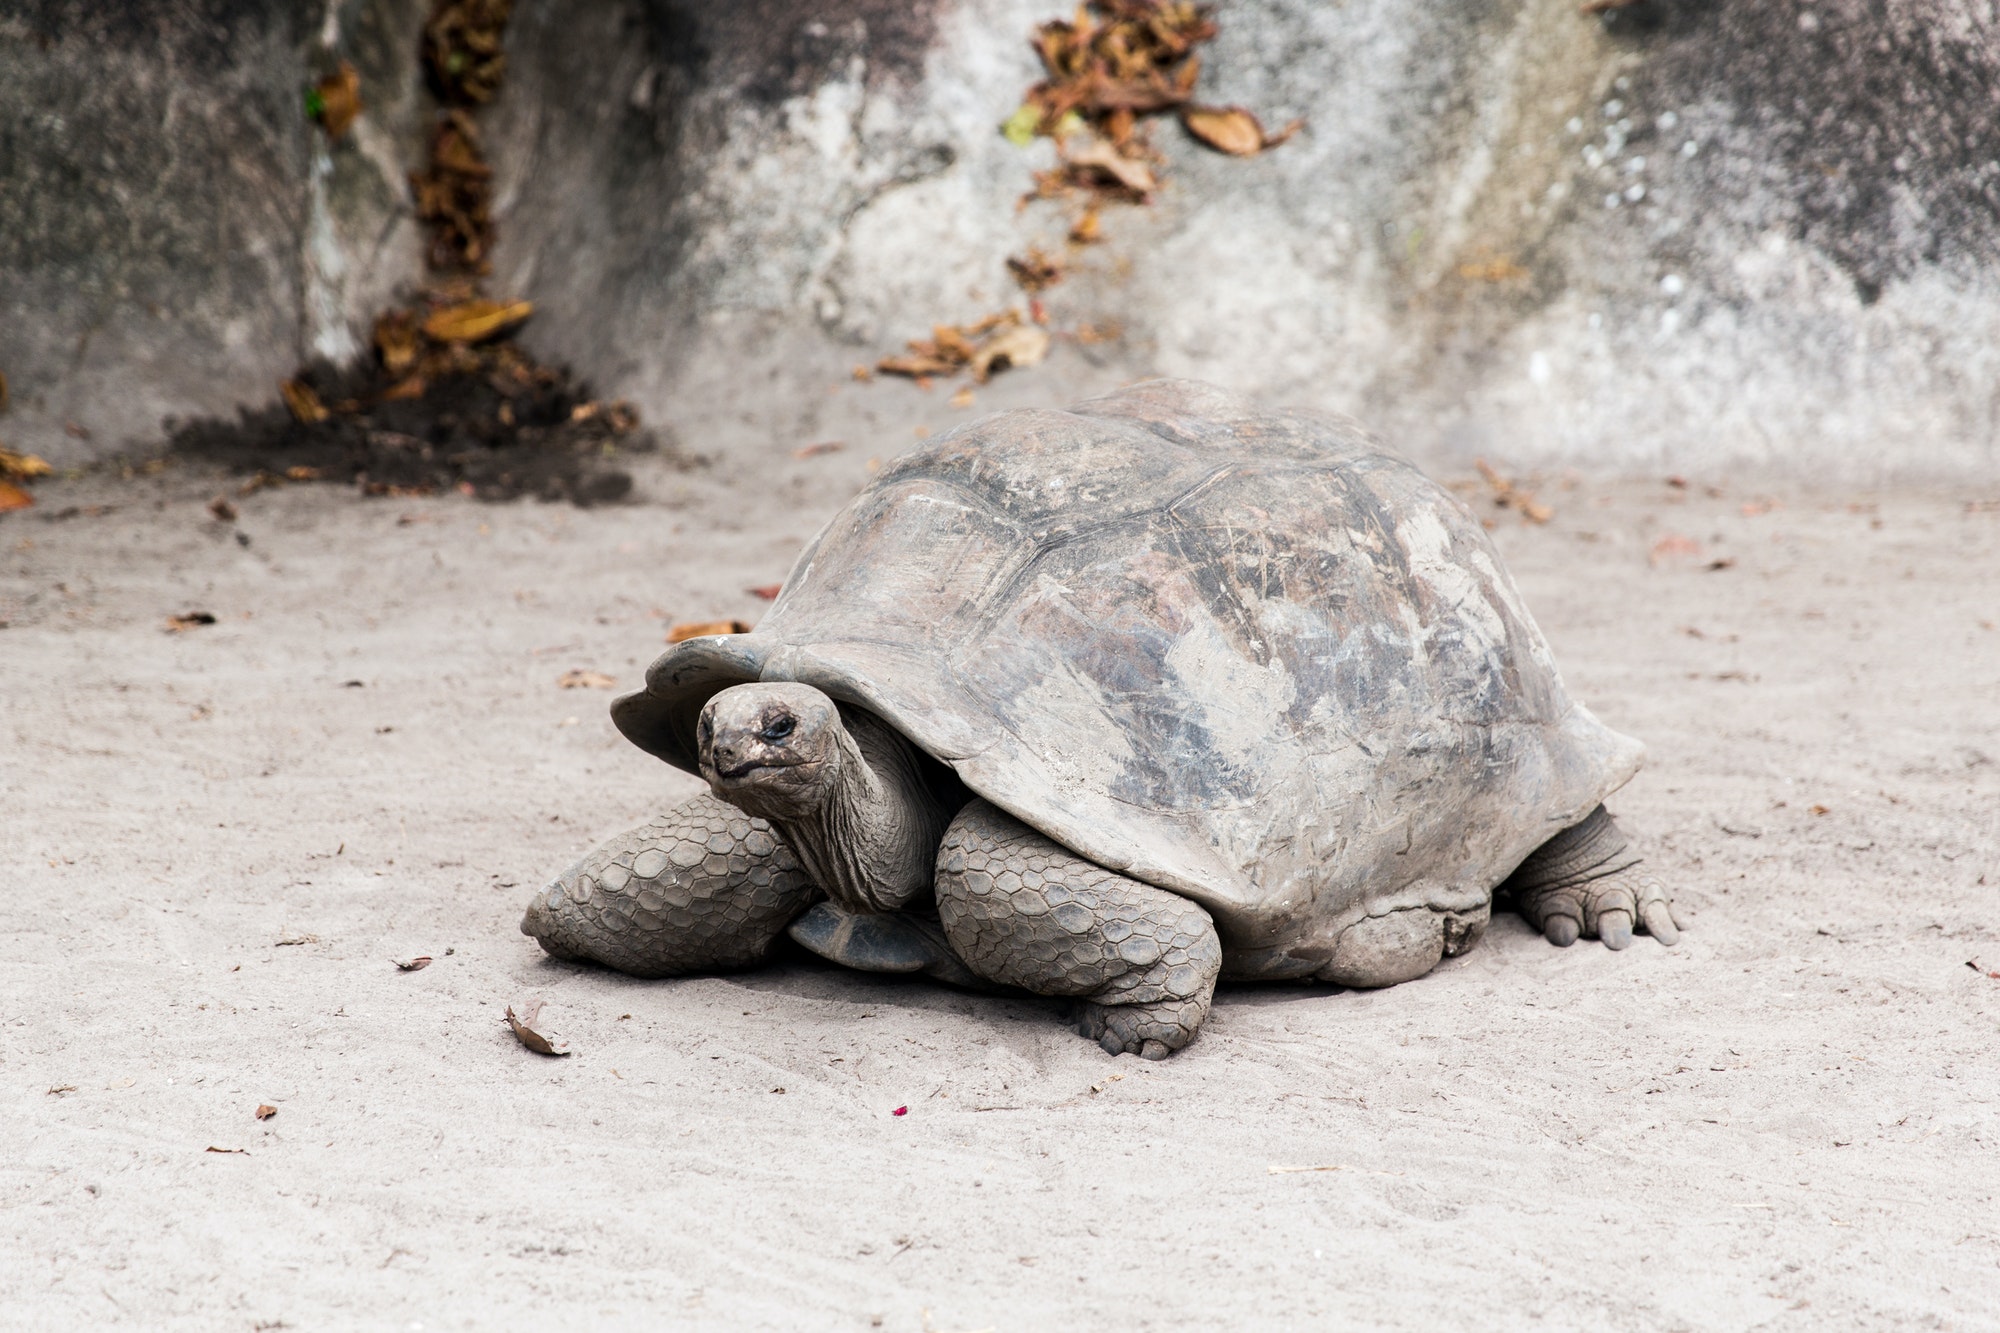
x=1088, y=229
x=13, y=497
x=291, y=940
x=265, y=1110
x=523, y=1024
x=1129, y=172
x=182, y=623
x=417, y=964
x=306, y=407
x=814, y=450
x=1017, y=348
x=701, y=629
x=396, y=340
x=24, y=466
x=1034, y=271
x=586, y=680
x=1234, y=130
x=1509, y=496
x=221, y=510
x=1231, y=130
x=476, y=321
x=464, y=48
x=339, y=100
x=242, y=1152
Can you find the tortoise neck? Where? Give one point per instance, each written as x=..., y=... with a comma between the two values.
x=872, y=843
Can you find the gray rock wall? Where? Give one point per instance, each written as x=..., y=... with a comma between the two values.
x=1687, y=235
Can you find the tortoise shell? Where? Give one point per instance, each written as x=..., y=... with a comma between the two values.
x=1250, y=657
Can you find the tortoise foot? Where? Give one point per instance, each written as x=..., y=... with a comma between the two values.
x=1150, y=1031
x=1023, y=911
x=1588, y=882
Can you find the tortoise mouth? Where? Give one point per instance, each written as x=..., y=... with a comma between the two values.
x=750, y=766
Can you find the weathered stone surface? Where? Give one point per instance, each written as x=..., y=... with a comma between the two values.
x=719, y=209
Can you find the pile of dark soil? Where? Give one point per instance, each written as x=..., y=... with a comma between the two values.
x=498, y=427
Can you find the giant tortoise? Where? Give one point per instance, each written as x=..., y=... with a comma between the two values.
x=1113, y=701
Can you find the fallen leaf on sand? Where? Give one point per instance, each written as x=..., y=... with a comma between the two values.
x=220, y=509
x=766, y=591
x=1016, y=348
x=523, y=1024
x=586, y=680
x=417, y=964
x=1509, y=496
x=284, y=941
x=1726, y=562
x=24, y=466
x=61, y=1088
x=13, y=497
x=189, y=620
x=963, y=398
x=1822, y=809
x=699, y=629
x=1233, y=129
x=475, y=321
x=305, y=405
x=814, y=450
x=245, y=1152
x=265, y=1111
x=335, y=100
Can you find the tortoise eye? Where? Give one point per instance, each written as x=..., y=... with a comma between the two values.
x=779, y=728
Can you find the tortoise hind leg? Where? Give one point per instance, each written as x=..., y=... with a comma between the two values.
x=1023, y=911
x=700, y=888
x=1587, y=881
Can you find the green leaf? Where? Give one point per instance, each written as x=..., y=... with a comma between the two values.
x=1020, y=127
x=315, y=104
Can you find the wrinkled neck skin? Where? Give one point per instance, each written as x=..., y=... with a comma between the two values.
x=872, y=842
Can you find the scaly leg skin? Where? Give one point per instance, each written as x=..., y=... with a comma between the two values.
x=1022, y=911
x=1587, y=881
x=701, y=888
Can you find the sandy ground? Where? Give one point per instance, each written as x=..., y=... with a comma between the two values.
x=1787, y=1122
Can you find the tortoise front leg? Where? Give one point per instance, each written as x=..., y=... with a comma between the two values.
x=1023, y=911
x=700, y=888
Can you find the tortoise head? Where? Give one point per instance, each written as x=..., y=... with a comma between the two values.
x=771, y=748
